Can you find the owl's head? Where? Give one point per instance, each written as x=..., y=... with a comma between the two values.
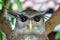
x=30, y=20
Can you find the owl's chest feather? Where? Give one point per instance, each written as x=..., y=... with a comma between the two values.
x=17, y=36
x=38, y=33
x=24, y=34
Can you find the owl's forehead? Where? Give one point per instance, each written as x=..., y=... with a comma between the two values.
x=30, y=12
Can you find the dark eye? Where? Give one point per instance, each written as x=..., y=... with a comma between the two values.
x=23, y=18
x=37, y=18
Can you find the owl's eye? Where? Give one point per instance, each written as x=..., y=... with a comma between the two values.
x=37, y=18
x=23, y=18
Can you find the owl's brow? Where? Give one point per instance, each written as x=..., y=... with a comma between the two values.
x=21, y=15
x=31, y=17
x=29, y=9
x=39, y=16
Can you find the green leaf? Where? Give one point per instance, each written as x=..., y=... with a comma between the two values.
x=2, y=2
x=12, y=20
x=1, y=6
x=57, y=36
x=10, y=7
x=19, y=4
x=1, y=35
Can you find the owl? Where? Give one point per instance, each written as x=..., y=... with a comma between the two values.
x=29, y=25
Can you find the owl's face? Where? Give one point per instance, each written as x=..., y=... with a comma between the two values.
x=29, y=22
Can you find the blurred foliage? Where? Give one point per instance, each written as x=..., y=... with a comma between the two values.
x=10, y=18
x=1, y=3
x=10, y=7
x=57, y=37
x=1, y=35
x=19, y=4
x=0, y=6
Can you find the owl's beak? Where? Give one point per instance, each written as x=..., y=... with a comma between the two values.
x=30, y=26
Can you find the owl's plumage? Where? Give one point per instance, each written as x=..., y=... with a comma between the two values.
x=30, y=25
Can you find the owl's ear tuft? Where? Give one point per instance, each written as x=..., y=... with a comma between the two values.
x=13, y=13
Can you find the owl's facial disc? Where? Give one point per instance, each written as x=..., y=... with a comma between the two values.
x=29, y=17
x=24, y=18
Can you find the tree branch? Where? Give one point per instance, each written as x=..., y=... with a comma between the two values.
x=5, y=25
x=55, y=19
